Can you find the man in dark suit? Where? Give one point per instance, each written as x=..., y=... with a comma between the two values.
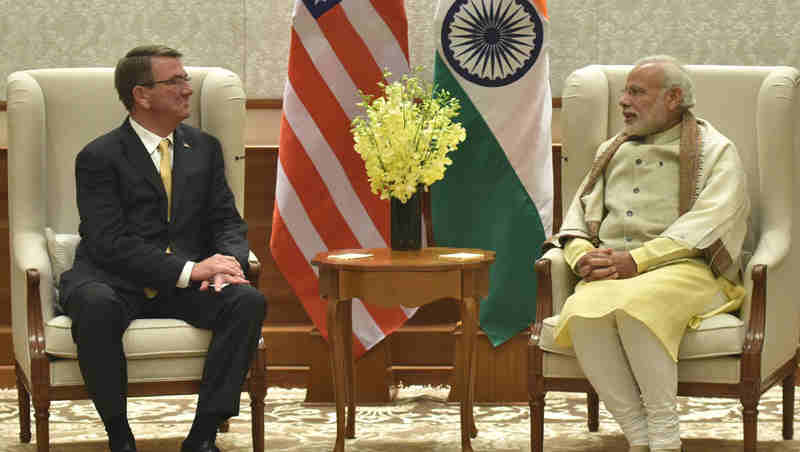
x=160, y=237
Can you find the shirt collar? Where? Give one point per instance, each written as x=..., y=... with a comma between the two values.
x=149, y=139
x=666, y=136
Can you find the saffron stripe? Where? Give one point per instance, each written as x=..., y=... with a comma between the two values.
x=541, y=6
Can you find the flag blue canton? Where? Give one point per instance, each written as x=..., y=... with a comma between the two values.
x=319, y=7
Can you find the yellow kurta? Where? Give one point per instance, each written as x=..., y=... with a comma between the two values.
x=639, y=199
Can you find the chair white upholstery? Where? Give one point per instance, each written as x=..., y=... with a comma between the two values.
x=737, y=356
x=52, y=114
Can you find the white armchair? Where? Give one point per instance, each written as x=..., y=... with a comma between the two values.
x=52, y=114
x=738, y=356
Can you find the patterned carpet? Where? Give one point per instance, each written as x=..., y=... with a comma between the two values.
x=419, y=420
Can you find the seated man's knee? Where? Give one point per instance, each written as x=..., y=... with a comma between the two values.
x=95, y=299
x=95, y=308
x=252, y=303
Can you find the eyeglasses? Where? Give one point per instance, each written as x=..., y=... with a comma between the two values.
x=177, y=80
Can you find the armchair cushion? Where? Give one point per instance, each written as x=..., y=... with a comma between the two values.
x=720, y=335
x=144, y=338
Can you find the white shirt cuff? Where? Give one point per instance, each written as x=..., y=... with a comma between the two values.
x=186, y=274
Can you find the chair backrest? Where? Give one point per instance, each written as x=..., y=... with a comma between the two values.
x=54, y=113
x=756, y=107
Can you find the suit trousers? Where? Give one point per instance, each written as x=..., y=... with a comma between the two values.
x=100, y=315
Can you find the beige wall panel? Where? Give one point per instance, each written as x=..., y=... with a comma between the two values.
x=268, y=27
x=251, y=37
x=44, y=33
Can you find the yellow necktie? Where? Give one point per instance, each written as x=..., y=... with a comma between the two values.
x=165, y=170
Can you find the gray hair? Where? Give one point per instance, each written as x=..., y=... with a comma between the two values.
x=675, y=75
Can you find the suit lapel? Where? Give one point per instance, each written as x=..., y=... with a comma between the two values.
x=140, y=159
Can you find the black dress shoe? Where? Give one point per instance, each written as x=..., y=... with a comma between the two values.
x=204, y=446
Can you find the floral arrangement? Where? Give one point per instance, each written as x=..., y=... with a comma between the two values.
x=406, y=135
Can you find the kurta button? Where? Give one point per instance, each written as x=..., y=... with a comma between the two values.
x=629, y=213
x=636, y=190
x=660, y=163
x=638, y=161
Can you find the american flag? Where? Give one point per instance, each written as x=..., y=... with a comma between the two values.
x=323, y=199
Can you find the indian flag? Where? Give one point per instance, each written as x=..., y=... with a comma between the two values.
x=498, y=193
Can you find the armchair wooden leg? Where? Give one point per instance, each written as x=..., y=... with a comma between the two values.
x=258, y=391
x=593, y=411
x=24, y=401
x=788, y=406
x=537, y=422
x=750, y=419
x=42, y=415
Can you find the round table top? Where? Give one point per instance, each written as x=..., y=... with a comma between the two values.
x=386, y=259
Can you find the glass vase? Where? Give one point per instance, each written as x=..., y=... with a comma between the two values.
x=406, y=223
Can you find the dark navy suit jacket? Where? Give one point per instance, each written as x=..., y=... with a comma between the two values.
x=123, y=212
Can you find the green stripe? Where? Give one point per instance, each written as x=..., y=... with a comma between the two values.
x=481, y=203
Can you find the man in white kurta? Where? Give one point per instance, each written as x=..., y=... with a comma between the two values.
x=655, y=233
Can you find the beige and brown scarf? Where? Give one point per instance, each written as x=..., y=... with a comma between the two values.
x=690, y=165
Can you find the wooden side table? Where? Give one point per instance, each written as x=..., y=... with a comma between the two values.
x=391, y=278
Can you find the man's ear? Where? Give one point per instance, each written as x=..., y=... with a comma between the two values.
x=674, y=98
x=141, y=97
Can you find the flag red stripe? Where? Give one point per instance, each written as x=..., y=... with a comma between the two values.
x=334, y=125
x=301, y=276
x=351, y=50
x=358, y=347
x=304, y=283
x=313, y=194
x=328, y=119
x=390, y=11
x=387, y=319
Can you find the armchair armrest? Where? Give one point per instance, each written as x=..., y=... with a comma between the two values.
x=563, y=280
x=555, y=282
x=30, y=268
x=770, y=310
x=255, y=269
